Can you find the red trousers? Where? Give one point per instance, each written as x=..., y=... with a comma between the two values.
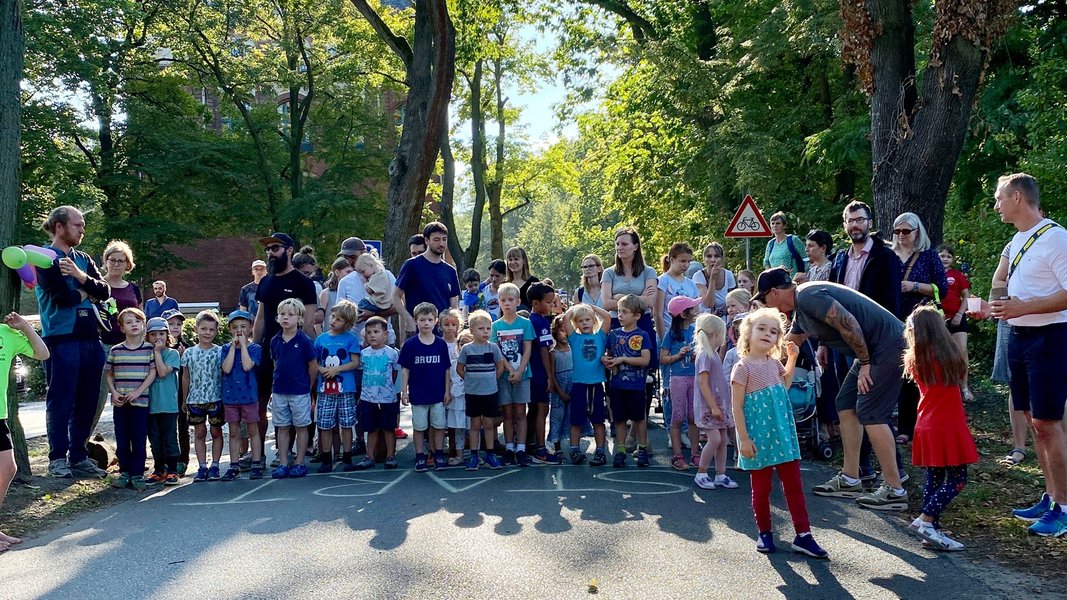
x=789, y=473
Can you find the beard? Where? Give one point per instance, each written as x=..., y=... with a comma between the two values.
x=859, y=236
x=277, y=264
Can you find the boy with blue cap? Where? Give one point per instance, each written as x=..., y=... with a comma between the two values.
x=240, y=397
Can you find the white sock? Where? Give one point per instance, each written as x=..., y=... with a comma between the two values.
x=520, y=447
x=849, y=480
x=510, y=446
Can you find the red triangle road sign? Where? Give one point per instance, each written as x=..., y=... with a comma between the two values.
x=748, y=221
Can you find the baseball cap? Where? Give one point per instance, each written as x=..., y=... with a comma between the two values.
x=278, y=238
x=679, y=304
x=170, y=314
x=352, y=245
x=240, y=314
x=156, y=324
x=259, y=263
x=770, y=279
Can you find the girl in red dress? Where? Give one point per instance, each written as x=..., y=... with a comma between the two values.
x=943, y=442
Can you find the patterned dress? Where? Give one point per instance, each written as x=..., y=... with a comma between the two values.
x=768, y=414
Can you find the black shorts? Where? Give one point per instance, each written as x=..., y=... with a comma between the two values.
x=538, y=392
x=627, y=405
x=213, y=414
x=1038, y=379
x=487, y=406
x=587, y=404
x=378, y=417
x=5, y=436
x=961, y=328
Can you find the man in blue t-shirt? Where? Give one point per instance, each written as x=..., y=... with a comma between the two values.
x=160, y=302
x=426, y=278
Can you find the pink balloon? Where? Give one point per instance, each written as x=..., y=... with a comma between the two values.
x=50, y=253
x=28, y=275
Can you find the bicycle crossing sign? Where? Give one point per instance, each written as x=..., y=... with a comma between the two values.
x=748, y=221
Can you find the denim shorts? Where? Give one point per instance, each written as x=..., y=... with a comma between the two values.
x=428, y=415
x=513, y=393
x=1038, y=378
x=291, y=410
x=1001, y=372
x=335, y=409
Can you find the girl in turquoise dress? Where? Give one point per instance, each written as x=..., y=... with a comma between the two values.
x=766, y=432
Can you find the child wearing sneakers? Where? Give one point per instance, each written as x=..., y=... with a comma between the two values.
x=240, y=393
x=678, y=353
x=426, y=382
x=163, y=405
x=542, y=368
x=378, y=410
x=629, y=353
x=456, y=412
x=129, y=372
x=480, y=364
x=295, y=371
x=202, y=378
x=515, y=335
x=587, y=340
x=711, y=403
x=766, y=433
x=338, y=351
x=175, y=319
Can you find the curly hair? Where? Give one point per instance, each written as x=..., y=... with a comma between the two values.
x=743, y=341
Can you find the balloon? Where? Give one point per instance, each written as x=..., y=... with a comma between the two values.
x=14, y=257
x=37, y=258
x=50, y=253
x=28, y=275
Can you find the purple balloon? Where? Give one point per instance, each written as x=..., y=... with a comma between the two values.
x=28, y=274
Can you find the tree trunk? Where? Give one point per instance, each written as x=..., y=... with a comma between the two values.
x=495, y=189
x=448, y=198
x=478, y=166
x=12, y=54
x=916, y=140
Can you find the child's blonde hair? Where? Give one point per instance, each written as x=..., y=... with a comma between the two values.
x=508, y=290
x=205, y=315
x=346, y=311
x=580, y=311
x=136, y=312
x=710, y=333
x=632, y=303
x=746, y=330
x=465, y=337
x=368, y=260
x=424, y=308
x=479, y=316
x=452, y=314
x=743, y=296
x=292, y=305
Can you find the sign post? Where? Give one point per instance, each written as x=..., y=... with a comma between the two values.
x=376, y=244
x=748, y=223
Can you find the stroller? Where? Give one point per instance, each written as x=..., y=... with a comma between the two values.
x=802, y=396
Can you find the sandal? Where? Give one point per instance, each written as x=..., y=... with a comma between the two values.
x=679, y=463
x=1010, y=459
x=903, y=439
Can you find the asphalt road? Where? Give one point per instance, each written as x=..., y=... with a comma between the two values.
x=541, y=531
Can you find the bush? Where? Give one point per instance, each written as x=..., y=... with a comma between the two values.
x=222, y=336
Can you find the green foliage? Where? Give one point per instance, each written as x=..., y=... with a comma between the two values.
x=222, y=336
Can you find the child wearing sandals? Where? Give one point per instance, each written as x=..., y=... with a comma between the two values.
x=942, y=442
x=766, y=432
x=456, y=412
x=711, y=403
x=677, y=352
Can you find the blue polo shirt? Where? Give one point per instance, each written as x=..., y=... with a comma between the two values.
x=424, y=281
x=427, y=365
x=291, y=363
x=239, y=386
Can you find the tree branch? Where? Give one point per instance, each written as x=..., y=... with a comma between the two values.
x=640, y=26
x=397, y=44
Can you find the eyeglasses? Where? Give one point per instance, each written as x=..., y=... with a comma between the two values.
x=856, y=221
x=590, y=266
x=903, y=231
x=116, y=261
x=273, y=248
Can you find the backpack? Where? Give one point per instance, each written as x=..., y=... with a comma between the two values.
x=797, y=258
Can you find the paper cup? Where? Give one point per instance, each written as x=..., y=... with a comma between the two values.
x=974, y=304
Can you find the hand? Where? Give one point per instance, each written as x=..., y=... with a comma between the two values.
x=748, y=449
x=117, y=399
x=983, y=313
x=715, y=412
x=800, y=277
x=514, y=377
x=242, y=341
x=1007, y=309
x=68, y=268
x=448, y=398
x=17, y=321
x=685, y=350
x=404, y=398
x=822, y=355
x=792, y=350
x=611, y=362
x=159, y=345
x=565, y=397
x=956, y=320
x=330, y=373
x=863, y=380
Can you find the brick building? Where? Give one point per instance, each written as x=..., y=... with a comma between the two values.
x=224, y=265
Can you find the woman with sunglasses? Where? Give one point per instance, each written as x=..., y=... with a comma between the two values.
x=922, y=270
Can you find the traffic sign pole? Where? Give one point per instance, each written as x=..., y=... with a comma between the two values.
x=748, y=253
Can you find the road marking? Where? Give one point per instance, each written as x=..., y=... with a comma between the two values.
x=615, y=477
x=239, y=499
x=358, y=481
x=446, y=483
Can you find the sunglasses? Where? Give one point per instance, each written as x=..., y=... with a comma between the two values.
x=274, y=248
x=903, y=231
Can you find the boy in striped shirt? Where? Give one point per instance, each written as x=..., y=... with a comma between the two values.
x=129, y=372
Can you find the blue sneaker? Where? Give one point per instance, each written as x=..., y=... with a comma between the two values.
x=1052, y=524
x=493, y=462
x=599, y=458
x=420, y=463
x=472, y=462
x=642, y=457
x=201, y=475
x=213, y=473
x=280, y=472
x=520, y=458
x=765, y=544
x=440, y=463
x=509, y=457
x=1034, y=513
x=554, y=459
x=298, y=471
x=805, y=544
x=619, y=461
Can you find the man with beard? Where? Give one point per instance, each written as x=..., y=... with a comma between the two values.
x=246, y=299
x=65, y=294
x=282, y=282
x=427, y=278
x=160, y=302
x=869, y=265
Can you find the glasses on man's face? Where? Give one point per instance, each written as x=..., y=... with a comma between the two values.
x=903, y=231
x=273, y=248
x=856, y=221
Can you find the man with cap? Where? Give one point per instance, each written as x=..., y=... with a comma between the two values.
x=246, y=299
x=282, y=282
x=846, y=320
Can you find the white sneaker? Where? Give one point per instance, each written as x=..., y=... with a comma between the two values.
x=725, y=482
x=704, y=482
x=60, y=468
x=943, y=543
x=924, y=530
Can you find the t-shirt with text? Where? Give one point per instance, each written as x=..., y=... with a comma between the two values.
x=427, y=365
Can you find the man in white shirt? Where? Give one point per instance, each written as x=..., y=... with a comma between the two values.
x=1036, y=308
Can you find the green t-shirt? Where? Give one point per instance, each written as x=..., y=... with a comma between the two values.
x=163, y=393
x=12, y=343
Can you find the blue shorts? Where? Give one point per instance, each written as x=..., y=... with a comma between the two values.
x=538, y=391
x=513, y=393
x=378, y=417
x=587, y=404
x=627, y=405
x=335, y=410
x=1038, y=379
x=206, y=413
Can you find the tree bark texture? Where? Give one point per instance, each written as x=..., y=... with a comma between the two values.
x=478, y=164
x=495, y=189
x=918, y=126
x=12, y=55
x=448, y=198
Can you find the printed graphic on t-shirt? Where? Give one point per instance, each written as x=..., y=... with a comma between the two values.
x=510, y=341
x=589, y=349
